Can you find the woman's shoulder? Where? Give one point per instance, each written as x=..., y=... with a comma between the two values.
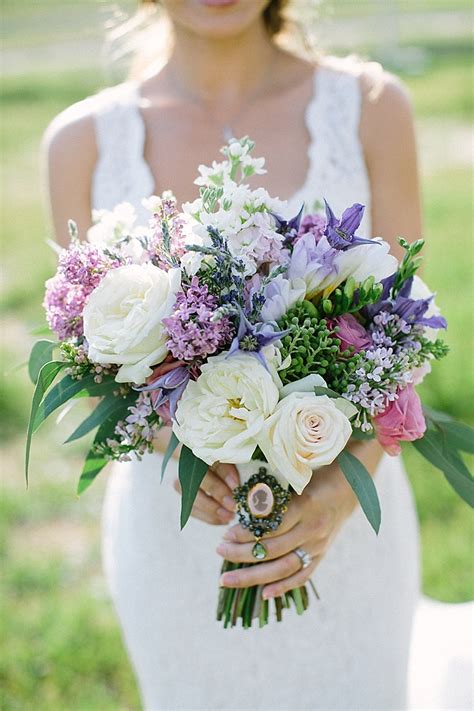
x=74, y=129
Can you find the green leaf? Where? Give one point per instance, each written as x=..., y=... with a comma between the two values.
x=434, y=448
x=68, y=388
x=363, y=487
x=172, y=444
x=107, y=408
x=96, y=462
x=362, y=436
x=436, y=416
x=321, y=390
x=41, y=353
x=191, y=474
x=459, y=436
x=45, y=377
x=43, y=330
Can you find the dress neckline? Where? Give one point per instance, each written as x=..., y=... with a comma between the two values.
x=310, y=114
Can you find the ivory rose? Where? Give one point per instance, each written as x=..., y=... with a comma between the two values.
x=123, y=319
x=305, y=432
x=402, y=421
x=221, y=413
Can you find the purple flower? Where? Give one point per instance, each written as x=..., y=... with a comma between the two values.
x=83, y=264
x=312, y=224
x=341, y=233
x=167, y=389
x=192, y=331
x=64, y=304
x=251, y=338
x=289, y=228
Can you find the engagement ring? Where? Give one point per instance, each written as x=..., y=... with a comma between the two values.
x=304, y=557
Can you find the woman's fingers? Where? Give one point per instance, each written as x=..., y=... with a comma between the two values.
x=207, y=509
x=262, y=573
x=217, y=489
x=237, y=534
x=293, y=581
x=228, y=473
x=276, y=546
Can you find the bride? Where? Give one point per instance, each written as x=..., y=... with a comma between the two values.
x=337, y=129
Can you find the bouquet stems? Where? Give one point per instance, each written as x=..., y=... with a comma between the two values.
x=247, y=604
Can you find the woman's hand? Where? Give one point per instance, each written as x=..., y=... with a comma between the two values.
x=214, y=503
x=311, y=523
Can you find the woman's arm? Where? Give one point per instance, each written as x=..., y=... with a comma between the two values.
x=68, y=157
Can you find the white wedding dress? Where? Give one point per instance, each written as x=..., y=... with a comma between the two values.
x=351, y=649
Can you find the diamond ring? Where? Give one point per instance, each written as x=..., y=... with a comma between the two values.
x=304, y=557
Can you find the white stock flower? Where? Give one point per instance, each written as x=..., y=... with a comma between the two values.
x=110, y=226
x=221, y=413
x=305, y=432
x=123, y=319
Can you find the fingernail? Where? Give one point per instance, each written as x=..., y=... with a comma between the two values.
x=229, y=535
x=231, y=481
x=221, y=549
x=224, y=515
x=229, y=503
x=228, y=579
x=267, y=595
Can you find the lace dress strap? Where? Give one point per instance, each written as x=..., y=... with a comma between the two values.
x=121, y=174
x=336, y=158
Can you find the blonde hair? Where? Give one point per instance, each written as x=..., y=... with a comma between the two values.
x=140, y=44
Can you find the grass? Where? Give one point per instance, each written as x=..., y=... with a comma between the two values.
x=62, y=648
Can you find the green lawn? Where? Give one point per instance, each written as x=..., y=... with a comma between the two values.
x=62, y=648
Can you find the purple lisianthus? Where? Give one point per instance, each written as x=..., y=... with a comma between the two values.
x=341, y=234
x=191, y=329
x=251, y=338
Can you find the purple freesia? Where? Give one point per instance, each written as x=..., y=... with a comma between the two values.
x=251, y=338
x=341, y=233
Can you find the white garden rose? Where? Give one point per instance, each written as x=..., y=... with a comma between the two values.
x=220, y=414
x=305, y=432
x=123, y=319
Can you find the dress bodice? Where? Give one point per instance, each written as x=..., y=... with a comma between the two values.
x=336, y=166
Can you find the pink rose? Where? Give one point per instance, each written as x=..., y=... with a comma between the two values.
x=351, y=333
x=402, y=421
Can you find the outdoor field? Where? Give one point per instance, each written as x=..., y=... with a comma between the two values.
x=61, y=647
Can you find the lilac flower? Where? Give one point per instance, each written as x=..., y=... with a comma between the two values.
x=64, y=304
x=313, y=224
x=251, y=338
x=341, y=233
x=167, y=389
x=192, y=332
x=83, y=264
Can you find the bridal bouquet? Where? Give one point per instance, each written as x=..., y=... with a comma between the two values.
x=262, y=340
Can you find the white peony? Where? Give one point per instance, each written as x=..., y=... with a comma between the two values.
x=305, y=432
x=110, y=226
x=123, y=319
x=220, y=415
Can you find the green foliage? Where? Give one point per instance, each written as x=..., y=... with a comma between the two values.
x=347, y=299
x=363, y=487
x=172, y=445
x=409, y=265
x=191, y=473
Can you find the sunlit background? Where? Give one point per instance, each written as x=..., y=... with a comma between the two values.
x=61, y=645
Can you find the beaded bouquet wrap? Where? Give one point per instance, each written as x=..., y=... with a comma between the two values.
x=260, y=338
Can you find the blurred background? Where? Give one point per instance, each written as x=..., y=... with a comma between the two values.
x=61, y=645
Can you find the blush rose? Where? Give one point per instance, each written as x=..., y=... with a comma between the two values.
x=402, y=421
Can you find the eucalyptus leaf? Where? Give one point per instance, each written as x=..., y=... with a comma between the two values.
x=107, y=408
x=434, y=448
x=191, y=473
x=41, y=353
x=45, y=377
x=363, y=487
x=459, y=436
x=172, y=444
